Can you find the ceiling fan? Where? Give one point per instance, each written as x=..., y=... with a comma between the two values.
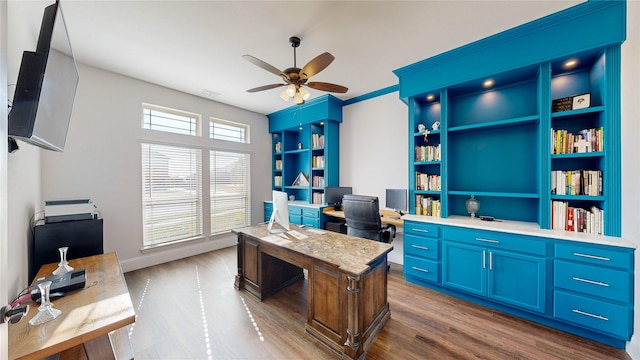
x=295, y=78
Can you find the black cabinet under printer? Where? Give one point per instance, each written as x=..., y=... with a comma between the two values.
x=83, y=237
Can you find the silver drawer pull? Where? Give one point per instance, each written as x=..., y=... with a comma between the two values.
x=592, y=256
x=590, y=281
x=488, y=240
x=599, y=317
x=420, y=247
x=420, y=269
x=420, y=230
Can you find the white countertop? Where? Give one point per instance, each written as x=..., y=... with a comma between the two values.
x=523, y=228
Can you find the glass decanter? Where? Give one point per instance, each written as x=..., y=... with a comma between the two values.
x=63, y=265
x=46, y=312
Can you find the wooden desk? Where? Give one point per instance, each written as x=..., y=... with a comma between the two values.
x=388, y=216
x=92, y=317
x=347, y=281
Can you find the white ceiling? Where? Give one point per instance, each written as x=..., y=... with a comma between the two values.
x=193, y=46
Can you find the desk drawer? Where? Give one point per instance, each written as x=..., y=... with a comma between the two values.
x=497, y=240
x=295, y=210
x=421, y=229
x=421, y=268
x=593, y=280
x=293, y=219
x=606, y=256
x=310, y=213
x=595, y=314
x=311, y=222
x=420, y=246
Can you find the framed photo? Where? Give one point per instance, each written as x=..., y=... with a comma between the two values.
x=581, y=101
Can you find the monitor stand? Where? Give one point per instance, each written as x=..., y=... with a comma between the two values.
x=270, y=227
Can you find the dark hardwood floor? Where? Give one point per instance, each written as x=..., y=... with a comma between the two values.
x=189, y=309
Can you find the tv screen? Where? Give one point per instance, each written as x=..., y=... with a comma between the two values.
x=46, y=86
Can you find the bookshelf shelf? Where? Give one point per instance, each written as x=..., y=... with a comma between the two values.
x=500, y=123
x=496, y=194
x=575, y=113
x=592, y=154
x=308, y=136
x=577, y=197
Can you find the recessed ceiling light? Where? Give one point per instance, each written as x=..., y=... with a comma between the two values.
x=488, y=83
x=430, y=97
x=209, y=93
x=570, y=63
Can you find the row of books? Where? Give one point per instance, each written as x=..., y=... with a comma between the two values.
x=317, y=161
x=427, y=182
x=567, y=218
x=277, y=180
x=576, y=182
x=317, y=141
x=278, y=164
x=318, y=198
x=317, y=181
x=426, y=205
x=277, y=147
x=428, y=153
x=587, y=140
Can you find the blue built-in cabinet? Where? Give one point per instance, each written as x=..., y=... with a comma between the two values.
x=555, y=254
x=306, y=140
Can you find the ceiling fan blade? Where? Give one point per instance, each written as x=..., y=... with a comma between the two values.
x=265, y=87
x=262, y=64
x=316, y=65
x=323, y=86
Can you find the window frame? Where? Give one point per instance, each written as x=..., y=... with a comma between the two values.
x=246, y=127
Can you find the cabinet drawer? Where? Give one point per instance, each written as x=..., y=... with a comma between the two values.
x=421, y=229
x=310, y=213
x=606, y=256
x=293, y=219
x=268, y=209
x=593, y=280
x=498, y=240
x=421, y=268
x=295, y=210
x=598, y=315
x=420, y=246
x=311, y=222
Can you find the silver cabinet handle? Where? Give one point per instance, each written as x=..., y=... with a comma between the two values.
x=599, y=317
x=488, y=240
x=420, y=269
x=592, y=256
x=419, y=230
x=590, y=281
x=420, y=247
x=490, y=260
x=484, y=261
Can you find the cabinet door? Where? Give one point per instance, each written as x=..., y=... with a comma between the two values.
x=464, y=267
x=517, y=279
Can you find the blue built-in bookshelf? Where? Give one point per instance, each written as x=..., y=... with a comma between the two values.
x=496, y=142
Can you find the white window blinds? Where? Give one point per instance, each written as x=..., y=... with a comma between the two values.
x=230, y=203
x=228, y=131
x=171, y=193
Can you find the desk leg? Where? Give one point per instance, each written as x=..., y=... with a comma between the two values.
x=353, y=346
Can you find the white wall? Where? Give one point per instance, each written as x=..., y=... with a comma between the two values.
x=101, y=160
x=373, y=146
x=4, y=246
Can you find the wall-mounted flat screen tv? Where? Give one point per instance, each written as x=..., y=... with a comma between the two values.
x=46, y=86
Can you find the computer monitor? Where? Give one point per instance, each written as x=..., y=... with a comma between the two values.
x=333, y=195
x=397, y=200
x=280, y=212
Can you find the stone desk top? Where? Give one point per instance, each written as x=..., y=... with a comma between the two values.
x=351, y=254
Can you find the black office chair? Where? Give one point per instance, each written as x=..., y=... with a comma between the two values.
x=363, y=218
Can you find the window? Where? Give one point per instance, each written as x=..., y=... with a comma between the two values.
x=228, y=131
x=168, y=120
x=171, y=194
x=230, y=202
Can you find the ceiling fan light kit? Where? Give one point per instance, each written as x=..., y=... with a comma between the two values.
x=295, y=79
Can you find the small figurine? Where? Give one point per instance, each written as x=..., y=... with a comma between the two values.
x=436, y=125
x=421, y=127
